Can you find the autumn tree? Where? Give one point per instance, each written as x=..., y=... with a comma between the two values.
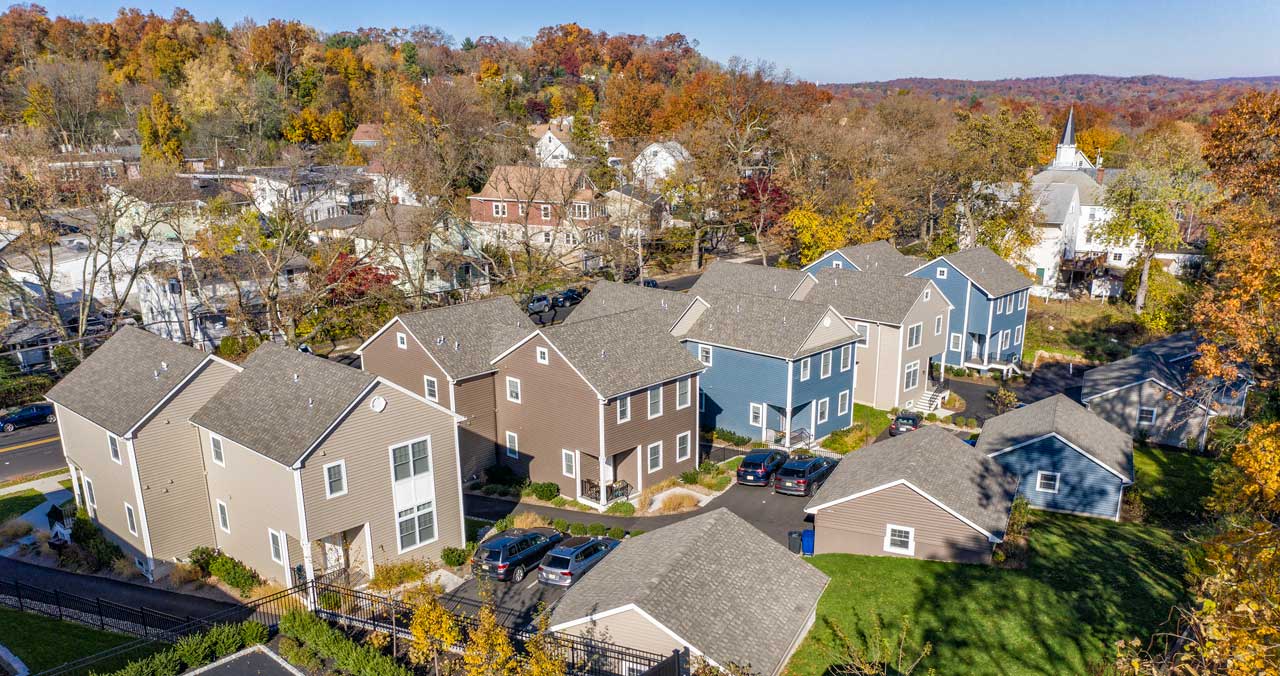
x=160, y=128
x=434, y=628
x=544, y=652
x=489, y=651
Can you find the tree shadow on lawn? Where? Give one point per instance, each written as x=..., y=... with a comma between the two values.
x=1106, y=338
x=1089, y=583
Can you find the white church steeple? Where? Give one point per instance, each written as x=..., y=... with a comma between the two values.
x=1067, y=156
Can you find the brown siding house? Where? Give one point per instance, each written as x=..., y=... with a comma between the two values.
x=858, y=527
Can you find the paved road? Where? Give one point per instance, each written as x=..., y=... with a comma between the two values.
x=124, y=593
x=30, y=450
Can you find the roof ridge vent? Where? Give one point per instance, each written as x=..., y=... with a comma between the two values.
x=155, y=374
x=440, y=340
x=311, y=402
x=604, y=355
x=457, y=346
x=164, y=366
x=296, y=378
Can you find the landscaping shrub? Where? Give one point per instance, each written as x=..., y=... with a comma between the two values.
x=166, y=663
x=183, y=574
x=617, y=533
x=23, y=389
x=842, y=441
x=971, y=422
x=501, y=524
x=576, y=528
x=621, y=508
x=545, y=490
x=1019, y=514
x=475, y=485
x=689, y=477
x=14, y=529
x=378, y=640
x=299, y=655
x=197, y=650
x=254, y=633
x=125, y=567
x=1134, y=507
x=731, y=437
x=677, y=502
x=454, y=556
x=561, y=525
x=194, y=649
x=388, y=576
x=708, y=467
x=530, y=520
x=346, y=655
x=90, y=550
x=329, y=600
x=492, y=489
x=931, y=417
x=235, y=574
x=202, y=558
x=596, y=529
x=635, y=533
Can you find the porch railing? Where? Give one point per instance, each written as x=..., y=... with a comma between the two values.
x=617, y=490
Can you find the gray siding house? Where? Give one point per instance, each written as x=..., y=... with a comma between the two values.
x=1068, y=459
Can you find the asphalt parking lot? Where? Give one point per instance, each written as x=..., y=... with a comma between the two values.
x=517, y=604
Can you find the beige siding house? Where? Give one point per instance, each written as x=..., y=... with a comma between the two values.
x=317, y=468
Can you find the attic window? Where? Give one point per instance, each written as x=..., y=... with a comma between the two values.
x=837, y=264
x=402, y=341
x=543, y=356
x=942, y=273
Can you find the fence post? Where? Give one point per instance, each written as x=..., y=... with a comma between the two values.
x=102, y=619
x=57, y=599
x=17, y=590
x=143, y=614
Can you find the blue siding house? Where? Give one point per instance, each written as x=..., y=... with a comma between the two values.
x=989, y=307
x=777, y=369
x=1067, y=458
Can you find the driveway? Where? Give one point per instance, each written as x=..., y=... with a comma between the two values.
x=124, y=593
x=1053, y=378
x=977, y=398
x=517, y=605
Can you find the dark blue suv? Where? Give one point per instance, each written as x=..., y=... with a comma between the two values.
x=757, y=468
x=511, y=554
x=26, y=416
x=803, y=476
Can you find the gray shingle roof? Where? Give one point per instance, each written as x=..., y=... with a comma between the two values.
x=1128, y=371
x=622, y=352
x=1091, y=193
x=772, y=326
x=606, y=298
x=885, y=299
x=937, y=462
x=1172, y=348
x=715, y=581
x=264, y=408
x=125, y=378
x=989, y=271
x=1069, y=420
x=1053, y=202
x=473, y=333
x=881, y=257
x=749, y=278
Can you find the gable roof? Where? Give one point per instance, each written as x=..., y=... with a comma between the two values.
x=1080, y=427
x=1053, y=202
x=464, y=338
x=622, y=352
x=867, y=296
x=1091, y=192
x=368, y=132
x=671, y=148
x=774, y=326
x=749, y=278
x=715, y=581
x=555, y=185
x=935, y=461
x=993, y=274
x=1136, y=368
x=1175, y=347
x=880, y=257
x=663, y=307
x=283, y=402
x=125, y=378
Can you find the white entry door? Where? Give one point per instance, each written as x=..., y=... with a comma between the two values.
x=334, y=554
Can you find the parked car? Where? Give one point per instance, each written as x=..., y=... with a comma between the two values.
x=567, y=297
x=905, y=421
x=538, y=304
x=26, y=416
x=514, y=552
x=572, y=558
x=802, y=476
x=757, y=469
x=649, y=283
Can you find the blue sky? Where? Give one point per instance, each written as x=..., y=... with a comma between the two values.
x=845, y=41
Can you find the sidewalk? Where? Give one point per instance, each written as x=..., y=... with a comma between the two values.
x=37, y=484
x=54, y=494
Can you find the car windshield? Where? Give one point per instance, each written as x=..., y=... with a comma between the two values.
x=909, y=419
x=490, y=554
x=751, y=464
x=791, y=472
x=556, y=562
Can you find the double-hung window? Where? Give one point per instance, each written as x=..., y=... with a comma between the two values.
x=655, y=401
x=624, y=408
x=513, y=389
x=804, y=369
x=546, y=212
x=825, y=368
x=500, y=209
x=113, y=447
x=842, y=404
x=704, y=354
x=653, y=457
x=542, y=355
x=911, y=376
x=957, y=342
x=900, y=539
x=937, y=325
x=1017, y=335
x=130, y=518
x=824, y=410
x=402, y=341
x=335, y=479
x=215, y=446
x=864, y=333
x=431, y=388
x=757, y=414
x=1146, y=416
x=1004, y=339
x=581, y=211
x=411, y=459
x=684, y=446
x=224, y=518
x=846, y=357
x=915, y=334
x=416, y=525
x=569, y=463
x=683, y=391
x=513, y=445
x=276, y=542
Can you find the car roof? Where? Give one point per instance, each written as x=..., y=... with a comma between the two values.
x=574, y=543
x=796, y=463
x=510, y=535
x=758, y=455
x=908, y=414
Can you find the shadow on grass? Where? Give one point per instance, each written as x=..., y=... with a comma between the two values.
x=1105, y=338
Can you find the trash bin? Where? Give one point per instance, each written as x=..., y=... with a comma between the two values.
x=795, y=541
x=806, y=543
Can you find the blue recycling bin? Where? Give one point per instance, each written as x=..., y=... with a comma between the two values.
x=806, y=542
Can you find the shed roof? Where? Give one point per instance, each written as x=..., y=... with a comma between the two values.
x=1059, y=415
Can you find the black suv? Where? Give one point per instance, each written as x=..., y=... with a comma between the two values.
x=513, y=552
x=757, y=468
x=802, y=476
x=905, y=421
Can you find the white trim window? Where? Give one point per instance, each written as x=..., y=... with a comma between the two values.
x=900, y=539
x=224, y=516
x=431, y=388
x=335, y=479
x=928, y=293
x=1017, y=335
x=864, y=330
x=756, y=413
x=846, y=357
x=684, y=388
x=411, y=459
x=704, y=354
x=416, y=526
x=1146, y=415
x=804, y=369
x=940, y=273
x=545, y=211
x=500, y=209
x=402, y=341
x=911, y=376
x=915, y=333
x=89, y=498
x=581, y=211
x=842, y=403
x=653, y=457
x=568, y=463
x=824, y=410
x=1004, y=339
x=216, y=450
x=655, y=401
x=824, y=369
x=624, y=408
x=937, y=325
x=1022, y=300
x=275, y=540
x=130, y=519
x=957, y=342
x=513, y=445
x=113, y=447
x=542, y=354
x=684, y=446
x=513, y=389
x=1047, y=482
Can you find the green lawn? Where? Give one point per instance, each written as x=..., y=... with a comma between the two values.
x=473, y=528
x=32, y=477
x=1088, y=583
x=1174, y=484
x=16, y=504
x=43, y=643
x=1090, y=329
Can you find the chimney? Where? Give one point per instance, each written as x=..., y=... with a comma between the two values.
x=1101, y=171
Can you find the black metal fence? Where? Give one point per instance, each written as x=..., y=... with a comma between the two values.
x=350, y=608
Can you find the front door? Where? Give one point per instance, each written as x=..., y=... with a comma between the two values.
x=335, y=553
x=975, y=345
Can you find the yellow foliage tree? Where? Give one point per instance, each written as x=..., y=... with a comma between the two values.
x=544, y=656
x=489, y=70
x=433, y=627
x=489, y=651
x=161, y=129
